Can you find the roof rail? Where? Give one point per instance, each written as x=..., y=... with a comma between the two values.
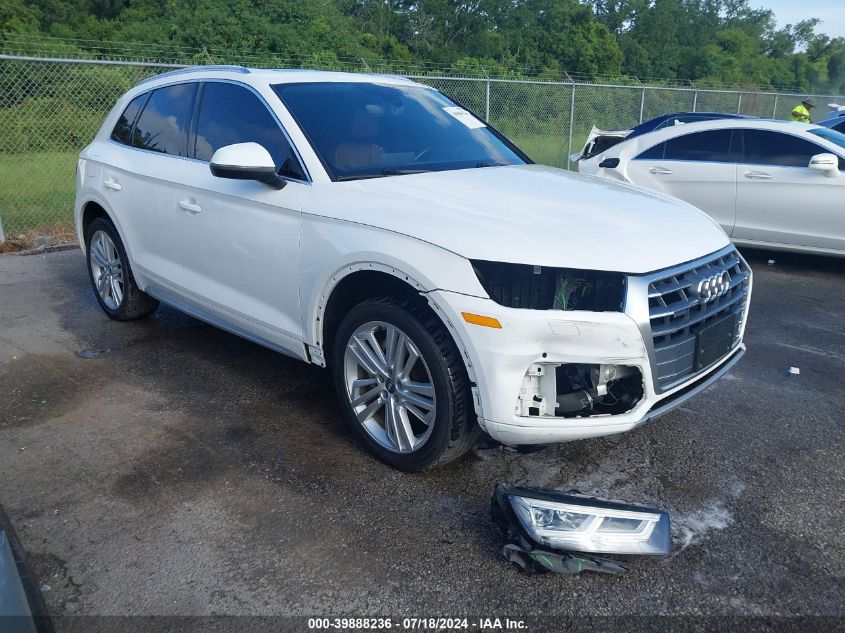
x=194, y=69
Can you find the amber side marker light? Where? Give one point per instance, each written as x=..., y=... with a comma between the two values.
x=485, y=321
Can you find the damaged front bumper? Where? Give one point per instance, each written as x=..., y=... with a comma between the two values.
x=527, y=374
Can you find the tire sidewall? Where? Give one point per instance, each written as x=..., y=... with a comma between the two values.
x=393, y=314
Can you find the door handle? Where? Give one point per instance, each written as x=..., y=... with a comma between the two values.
x=757, y=175
x=111, y=183
x=661, y=171
x=189, y=206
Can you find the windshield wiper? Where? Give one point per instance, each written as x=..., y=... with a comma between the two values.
x=383, y=173
x=484, y=164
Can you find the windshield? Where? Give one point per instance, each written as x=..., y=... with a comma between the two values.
x=830, y=135
x=365, y=130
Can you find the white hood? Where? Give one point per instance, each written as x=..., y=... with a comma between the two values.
x=529, y=214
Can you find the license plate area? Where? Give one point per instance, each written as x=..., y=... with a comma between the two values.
x=714, y=341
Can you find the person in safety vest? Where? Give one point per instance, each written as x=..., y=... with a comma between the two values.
x=801, y=112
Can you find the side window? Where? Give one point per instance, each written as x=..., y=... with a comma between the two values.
x=123, y=128
x=654, y=153
x=773, y=148
x=712, y=146
x=230, y=114
x=163, y=125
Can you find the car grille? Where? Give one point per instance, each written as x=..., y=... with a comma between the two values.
x=676, y=314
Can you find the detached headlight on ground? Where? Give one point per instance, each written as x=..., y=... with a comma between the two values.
x=547, y=529
x=593, y=529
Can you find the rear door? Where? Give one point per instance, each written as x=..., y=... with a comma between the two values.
x=698, y=168
x=781, y=200
x=240, y=244
x=139, y=180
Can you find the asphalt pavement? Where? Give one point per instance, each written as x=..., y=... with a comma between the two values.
x=164, y=467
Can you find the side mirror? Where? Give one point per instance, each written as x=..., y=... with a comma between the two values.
x=246, y=161
x=828, y=164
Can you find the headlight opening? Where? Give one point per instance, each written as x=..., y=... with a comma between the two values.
x=546, y=288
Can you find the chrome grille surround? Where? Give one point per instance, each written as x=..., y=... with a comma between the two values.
x=667, y=309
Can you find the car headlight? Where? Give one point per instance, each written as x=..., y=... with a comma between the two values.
x=546, y=288
x=552, y=519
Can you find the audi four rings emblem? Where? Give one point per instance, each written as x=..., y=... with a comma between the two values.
x=711, y=288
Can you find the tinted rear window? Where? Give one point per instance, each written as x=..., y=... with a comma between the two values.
x=163, y=125
x=653, y=153
x=123, y=128
x=711, y=146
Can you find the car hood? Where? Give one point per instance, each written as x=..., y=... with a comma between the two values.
x=531, y=214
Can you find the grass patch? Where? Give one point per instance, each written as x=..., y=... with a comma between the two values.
x=544, y=149
x=37, y=192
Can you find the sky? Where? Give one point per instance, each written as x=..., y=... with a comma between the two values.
x=830, y=12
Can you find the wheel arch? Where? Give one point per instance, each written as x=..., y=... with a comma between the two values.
x=363, y=280
x=350, y=285
x=92, y=208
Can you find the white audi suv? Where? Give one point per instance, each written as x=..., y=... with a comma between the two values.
x=372, y=225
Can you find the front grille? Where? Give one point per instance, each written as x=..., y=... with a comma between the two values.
x=676, y=314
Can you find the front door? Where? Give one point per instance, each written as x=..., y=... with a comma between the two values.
x=781, y=200
x=240, y=249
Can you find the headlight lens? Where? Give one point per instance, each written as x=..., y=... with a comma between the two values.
x=545, y=288
x=571, y=522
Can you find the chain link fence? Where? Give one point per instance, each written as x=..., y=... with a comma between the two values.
x=51, y=108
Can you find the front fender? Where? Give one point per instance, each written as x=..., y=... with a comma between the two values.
x=332, y=249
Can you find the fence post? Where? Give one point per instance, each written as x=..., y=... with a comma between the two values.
x=487, y=106
x=571, y=123
x=775, y=108
x=695, y=101
x=739, y=104
x=642, y=105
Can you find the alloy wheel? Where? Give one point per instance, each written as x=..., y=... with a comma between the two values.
x=106, y=269
x=390, y=386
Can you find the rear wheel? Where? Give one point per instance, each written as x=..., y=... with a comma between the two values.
x=111, y=277
x=402, y=385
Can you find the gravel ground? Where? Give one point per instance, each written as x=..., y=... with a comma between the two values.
x=164, y=467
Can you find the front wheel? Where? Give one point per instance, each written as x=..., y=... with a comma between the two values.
x=402, y=385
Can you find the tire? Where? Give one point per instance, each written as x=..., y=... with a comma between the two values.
x=118, y=294
x=439, y=372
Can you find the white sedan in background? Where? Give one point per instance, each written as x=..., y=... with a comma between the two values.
x=770, y=184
